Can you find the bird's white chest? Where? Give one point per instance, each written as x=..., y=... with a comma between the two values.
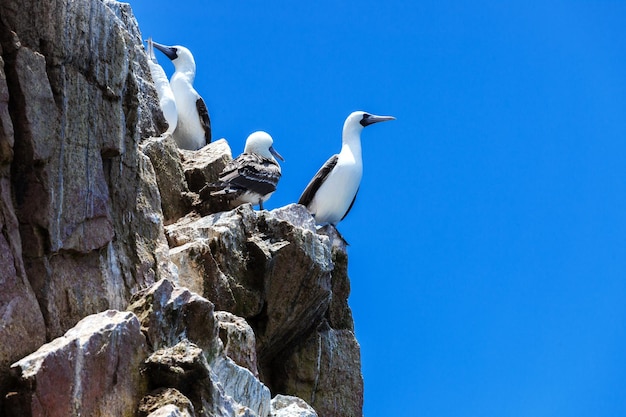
x=166, y=96
x=332, y=200
x=189, y=133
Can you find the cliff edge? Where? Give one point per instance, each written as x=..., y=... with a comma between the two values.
x=122, y=292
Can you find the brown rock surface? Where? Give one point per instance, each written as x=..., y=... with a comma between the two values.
x=204, y=165
x=238, y=339
x=86, y=200
x=170, y=314
x=94, y=370
x=20, y=312
x=166, y=160
x=325, y=371
x=183, y=367
x=166, y=402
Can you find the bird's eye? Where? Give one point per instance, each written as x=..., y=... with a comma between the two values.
x=364, y=120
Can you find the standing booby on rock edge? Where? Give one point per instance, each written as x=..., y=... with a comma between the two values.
x=252, y=176
x=332, y=191
x=193, y=130
x=167, y=102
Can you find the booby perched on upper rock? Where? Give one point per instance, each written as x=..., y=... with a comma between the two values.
x=253, y=175
x=162, y=85
x=193, y=129
x=332, y=191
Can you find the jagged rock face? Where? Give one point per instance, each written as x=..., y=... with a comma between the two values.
x=86, y=186
x=85, y=198
x=189, y=357
x=171, y=314
x=273, y=269
x=21, y=316
x=258, y=266
x=328, y=358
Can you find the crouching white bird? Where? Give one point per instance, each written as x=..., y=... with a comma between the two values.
x=332, y=191
x=193, y=129
x=167, y=102
x=252, y=176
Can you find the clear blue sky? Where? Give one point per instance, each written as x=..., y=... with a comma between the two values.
x=488, y=241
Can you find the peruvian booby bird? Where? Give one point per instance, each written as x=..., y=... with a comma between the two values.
x=253, y=175
x=193, y=129
x=167, y=101
x=332, y=191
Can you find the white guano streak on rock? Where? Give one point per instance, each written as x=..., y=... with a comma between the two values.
x=77, y=388
x=109, y=266
x=242, y=386
x=31, y=364
x=57, y=200
x=8, y=311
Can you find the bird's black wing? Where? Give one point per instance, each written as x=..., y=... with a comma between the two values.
x=205, y=121
x=316, y=182
x=351, y=204
x=252, y=172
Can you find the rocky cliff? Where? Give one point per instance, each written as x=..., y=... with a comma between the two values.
x=122, y=292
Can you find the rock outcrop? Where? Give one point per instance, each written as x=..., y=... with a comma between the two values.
x=288, y=406
x=94, y=370
x=129, y=291
x=275, y=270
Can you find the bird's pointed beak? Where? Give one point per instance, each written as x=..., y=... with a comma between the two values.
x=169, y=51
x=276, y=154
x=376, y=119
